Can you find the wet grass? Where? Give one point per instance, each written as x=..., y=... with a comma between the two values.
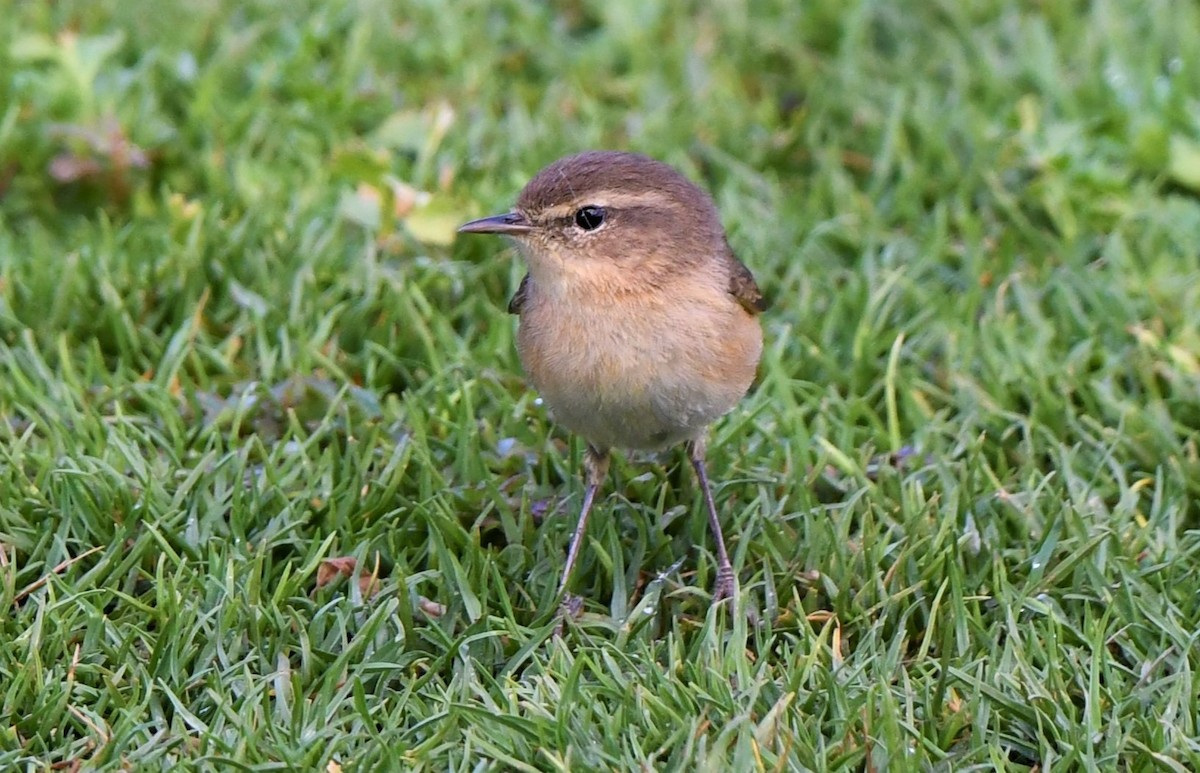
x=241, y=345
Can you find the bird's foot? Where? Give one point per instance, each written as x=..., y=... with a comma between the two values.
x=570, y=608
x=725, y=589
x=726, y=586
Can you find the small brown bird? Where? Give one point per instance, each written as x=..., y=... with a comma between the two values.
x=638, y=324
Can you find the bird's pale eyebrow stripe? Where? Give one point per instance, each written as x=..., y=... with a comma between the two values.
x=615, y=199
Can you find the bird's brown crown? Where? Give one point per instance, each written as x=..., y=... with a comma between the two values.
x=610, y=223
x=612, y=178
x=620, y=209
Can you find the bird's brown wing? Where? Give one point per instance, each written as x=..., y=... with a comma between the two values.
x=742, y=285
x=518, y=299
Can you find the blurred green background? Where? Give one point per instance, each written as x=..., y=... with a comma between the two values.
x=273, y=491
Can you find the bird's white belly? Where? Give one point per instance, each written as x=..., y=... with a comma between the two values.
x=623, y=382
x=645, y=416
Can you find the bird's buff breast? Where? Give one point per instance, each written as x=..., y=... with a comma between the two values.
x=643, y=379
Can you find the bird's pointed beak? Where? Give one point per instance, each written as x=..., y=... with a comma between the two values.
x=512, y=223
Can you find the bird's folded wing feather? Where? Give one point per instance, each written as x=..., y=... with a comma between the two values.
x=743, y=287
x=519, y=297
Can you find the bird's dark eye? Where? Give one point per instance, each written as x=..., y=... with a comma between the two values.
x=589, y=218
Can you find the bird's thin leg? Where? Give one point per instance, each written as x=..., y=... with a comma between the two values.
x=726, y=586
x=595, y=469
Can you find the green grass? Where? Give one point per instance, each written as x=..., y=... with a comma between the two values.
x=964, y=494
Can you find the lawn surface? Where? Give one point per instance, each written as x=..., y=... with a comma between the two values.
x=273, y=490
